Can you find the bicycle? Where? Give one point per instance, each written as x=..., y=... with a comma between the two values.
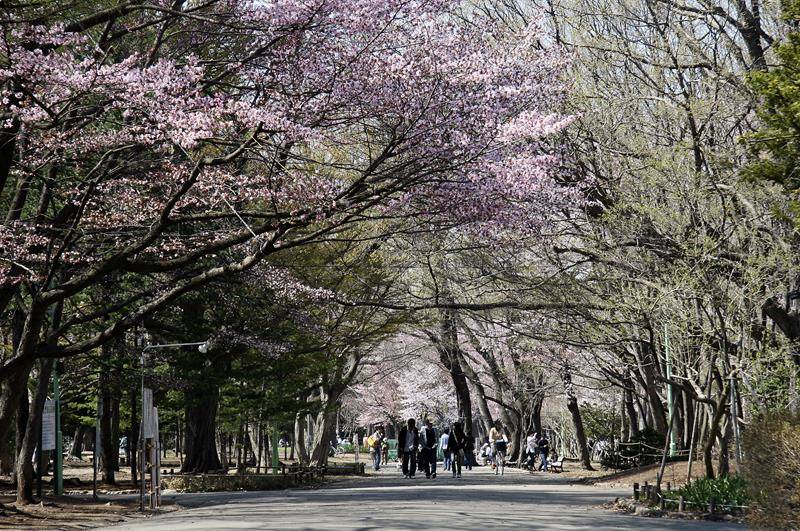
x=499, y=457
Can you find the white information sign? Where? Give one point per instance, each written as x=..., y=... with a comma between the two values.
x=147, y=414
x=49, y=425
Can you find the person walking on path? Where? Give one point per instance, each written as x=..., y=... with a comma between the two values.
x=544, y=451
x=499, y=443
x=530, y=449
x=456, y=444
x=429, y=442
x=469, y=452
x=443, y=442
x=407, y=443
x=375, y=443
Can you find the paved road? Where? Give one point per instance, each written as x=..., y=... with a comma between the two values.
x=479, y=500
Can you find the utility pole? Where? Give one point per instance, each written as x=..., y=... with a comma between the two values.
x=670, y=402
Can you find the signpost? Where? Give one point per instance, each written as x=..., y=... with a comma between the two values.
x=49, y=425
x=47, y=440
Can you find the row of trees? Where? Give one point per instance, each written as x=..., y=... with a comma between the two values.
x=472, y=210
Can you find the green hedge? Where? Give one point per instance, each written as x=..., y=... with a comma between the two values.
x=727, y=490
x=225, y=483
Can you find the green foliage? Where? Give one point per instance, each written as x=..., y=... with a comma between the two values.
x=727, y=490
x=777, y=143
x=600, y=422
x=772, y=468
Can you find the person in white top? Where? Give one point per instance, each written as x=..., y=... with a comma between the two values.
x=443, y=440
x=531, y=443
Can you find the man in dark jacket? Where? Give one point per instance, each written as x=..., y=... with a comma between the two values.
x=407, y=443
x=544, y=450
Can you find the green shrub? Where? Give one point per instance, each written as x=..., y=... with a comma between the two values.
x=772, y=469
x=728, y=490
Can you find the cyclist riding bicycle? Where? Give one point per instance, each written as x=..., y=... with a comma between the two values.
x=499, y=444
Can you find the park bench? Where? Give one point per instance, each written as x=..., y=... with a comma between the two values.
x=557, y=465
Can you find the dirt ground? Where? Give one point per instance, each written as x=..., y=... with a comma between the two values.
x=674, y=473
x=75, y=509
x=68, y=512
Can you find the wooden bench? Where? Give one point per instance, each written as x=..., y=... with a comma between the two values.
x=557, y=465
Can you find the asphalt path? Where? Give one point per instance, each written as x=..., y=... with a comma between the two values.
x=479, y=500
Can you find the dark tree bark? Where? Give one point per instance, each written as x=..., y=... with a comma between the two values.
x=22, y=423
x=133, y=435
x=13, y=387
x=76, y=450
x=788, y=322
x=300, y=438
x=630, y=409
x=115, y=427
x=6, y=456
x=648, y=364
x=27, y=447
x=107, y=450
x=577, y=421
x=201, y=427
x=713, y=432
x=447, y=347
x=536, y=415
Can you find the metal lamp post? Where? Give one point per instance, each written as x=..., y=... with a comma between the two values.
x=202, y=346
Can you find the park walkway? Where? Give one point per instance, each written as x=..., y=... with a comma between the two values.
x=385, y=501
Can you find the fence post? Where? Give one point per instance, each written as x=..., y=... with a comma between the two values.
x=636, y=491
x=681, y=504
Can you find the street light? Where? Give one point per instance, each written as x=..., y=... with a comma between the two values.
x=202, y=346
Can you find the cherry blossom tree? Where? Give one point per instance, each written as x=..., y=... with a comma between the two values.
x=162, y=146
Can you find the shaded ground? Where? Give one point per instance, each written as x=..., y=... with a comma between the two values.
x=520, y=499
x=480, y=500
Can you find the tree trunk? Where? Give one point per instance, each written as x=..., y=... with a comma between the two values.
x=76, y=450
x=713, y=432
x=201, y=427
x=724, y=466
x=577, y=421
x=133, y=435
x=15, y=384
x=23, y=410
x=633, y=418
x=536, y=415
x=115, y=427
x=31, y=436
x=107, y=449
x=325, y=425
x=222, y=439
x=300, y=438
x=647, y=368
x=6, y=456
